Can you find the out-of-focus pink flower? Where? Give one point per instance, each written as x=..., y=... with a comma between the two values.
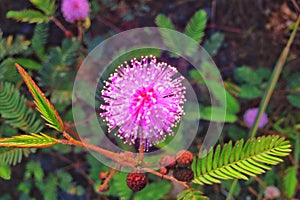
x=272, y=192
x=75, y=9
x=143, y=100
x=250, y=115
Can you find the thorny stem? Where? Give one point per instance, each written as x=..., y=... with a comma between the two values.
x=123, y=161
x=165, y=176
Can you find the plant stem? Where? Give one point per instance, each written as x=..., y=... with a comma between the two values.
x=60, y=26
x=232, y=188
x=165, y=176
x=296, y=150
x=267, y=95
x=124, y=161
x=274, y=78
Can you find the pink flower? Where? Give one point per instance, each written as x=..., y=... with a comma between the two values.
x=272, y=192
x=75, y=9
x=143, y=100
x=250, y=115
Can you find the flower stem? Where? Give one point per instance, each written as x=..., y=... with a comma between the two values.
x=127, y=161
x=59, y=25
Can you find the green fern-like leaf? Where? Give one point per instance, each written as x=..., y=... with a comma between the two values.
x=56, y=71
x=8, y=72
x=28, y=141
x=195, y=27
x=163, y=21
x=30, y=16
x=290, y=182
x=15, y=111
x=43, y=105
x=39, y=40
x=191, y=194
x=11, y=46
x=47, y=6
x=213, y=44
x=240, y=160
x=12, y=156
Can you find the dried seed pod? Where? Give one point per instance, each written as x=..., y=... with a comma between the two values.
x=183, y=174
x=184, y=158
x=136, y=181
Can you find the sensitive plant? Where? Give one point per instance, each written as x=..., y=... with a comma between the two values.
x=75, y=10
x=241, y=159
x=143, y=101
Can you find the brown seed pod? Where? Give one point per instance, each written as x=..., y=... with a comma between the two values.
x=183, y=174
x=136, y=181
x=164, y=170
x=167, y=161
x=184, y=158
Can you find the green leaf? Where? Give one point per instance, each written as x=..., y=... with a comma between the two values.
x=161, y=188
x=235, y=133
x=28, y=141
x=213, y=44
x=294, y=99
x=294, y=88
x=58, y=68
x=39, y=40
x=47, y=6
x=249, y=92
x=30, y=16
x=43, y=105
x=240, y=161
x=13, y=108
x=28, y=63
x=12, y=156
x=10, y=46
x=34, y=169
x=217, y=114
x=119, y=188
x=232, y=104
x=245, y=74
x=191, y=194
x=196, y=25
x=163, y=21
x=290, y=182
x=5, y=172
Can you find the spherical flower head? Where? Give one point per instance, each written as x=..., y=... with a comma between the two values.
x=250, y=115
x=75, y=10
x=143, y=100
x=272, y=192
